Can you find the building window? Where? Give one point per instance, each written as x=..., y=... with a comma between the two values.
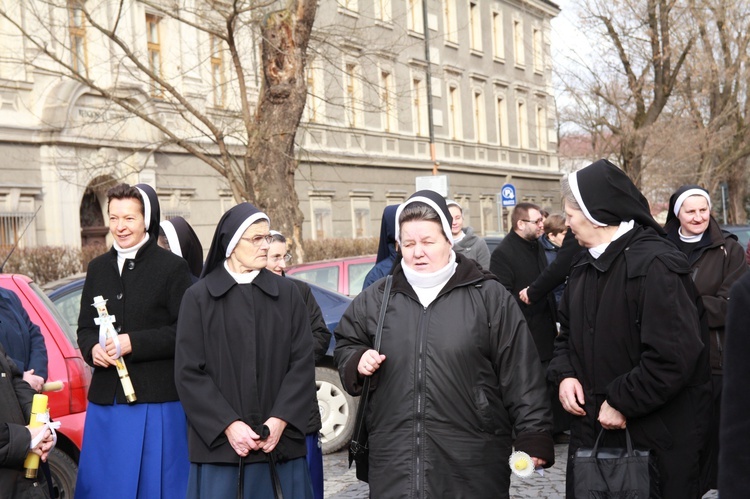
x=538, y=47
x=12, y=226
x=353, y=87
x=321, y=216
x=518, y=48
x=414, y=19
x=360, y=216
x=383, y=11
x=349, y=5
x=388, y=102
x=541, y=128
x=419, y=107
x=475, y=26
x=78, y=37
x=498, y=41
x=218, y=79
x=480, y=118
x=154, y=52
x=502, y=122
x=454, y=112
x=315, y=94
x=451, y=23
x=522, y=124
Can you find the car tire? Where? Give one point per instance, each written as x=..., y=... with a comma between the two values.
x=64, y=471
x=337, y=410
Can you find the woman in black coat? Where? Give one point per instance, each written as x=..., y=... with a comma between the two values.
x=631, y=351
x=140, y=447
x=244, y=368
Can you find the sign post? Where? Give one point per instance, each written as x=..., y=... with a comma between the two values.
x=507, y=199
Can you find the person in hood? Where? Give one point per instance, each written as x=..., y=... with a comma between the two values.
x=244, y=368
x=450, y=391
x=716, y=261
x=631, y=352
x=133, y=449
x=387, y=251
x=177, y=236
x=465, y=241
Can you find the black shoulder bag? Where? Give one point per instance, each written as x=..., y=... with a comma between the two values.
x=359, y=452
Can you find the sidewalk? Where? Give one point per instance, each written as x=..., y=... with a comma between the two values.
x=341, y=483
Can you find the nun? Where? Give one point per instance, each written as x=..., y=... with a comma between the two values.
x=387, y=251
x=177, y=236
x=632, y=352
x=133, y=449
x=244, y=368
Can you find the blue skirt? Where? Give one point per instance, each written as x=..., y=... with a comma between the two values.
x=134, y=451
x=219, y=481
x=315, y=463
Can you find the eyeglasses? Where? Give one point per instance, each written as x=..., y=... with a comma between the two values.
x=277, y=258
x=258, y=240
x=535, y=222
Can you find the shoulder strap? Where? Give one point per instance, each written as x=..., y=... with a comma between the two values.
x=357, y=435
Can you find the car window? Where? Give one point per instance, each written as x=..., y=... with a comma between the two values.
x=70, y=329
x=357, y=274
x=325, y=277
x=69, y=306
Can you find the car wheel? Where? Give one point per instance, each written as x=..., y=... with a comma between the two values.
x=337, y=410
x=64, y=471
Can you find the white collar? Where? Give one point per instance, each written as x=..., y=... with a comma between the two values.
x=423, y=280
x=624, y=227
x=245, y=278
x=689, y=239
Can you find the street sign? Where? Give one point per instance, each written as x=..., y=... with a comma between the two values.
x=508, y=195
x=437, y=183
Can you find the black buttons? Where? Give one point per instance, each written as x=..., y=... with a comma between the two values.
x=131, y=265
x=119, y=296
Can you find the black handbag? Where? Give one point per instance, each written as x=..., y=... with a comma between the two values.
x=615, y=473
x=359, y=452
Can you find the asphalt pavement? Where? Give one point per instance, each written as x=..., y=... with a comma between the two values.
x=341, y=482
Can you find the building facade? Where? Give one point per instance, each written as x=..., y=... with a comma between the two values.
x=398, y=90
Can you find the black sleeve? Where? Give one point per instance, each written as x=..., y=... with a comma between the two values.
x=320, y=332
x=555, y=273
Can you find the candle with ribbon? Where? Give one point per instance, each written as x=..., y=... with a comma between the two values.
x=107, y=330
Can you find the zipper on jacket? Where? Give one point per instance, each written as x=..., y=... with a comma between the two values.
x=419, y=417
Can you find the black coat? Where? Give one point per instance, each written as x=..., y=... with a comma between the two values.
x=15, y=406
x=734, y=459
x=556, y=273
x=517, y=262
x=631, y=335
x=244, y=352
x=145, y=301
x=461, y=376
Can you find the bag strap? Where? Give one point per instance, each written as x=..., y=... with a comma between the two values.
x=628, y=443
x=357, y=434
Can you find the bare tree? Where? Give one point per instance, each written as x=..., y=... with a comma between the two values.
x=624, y=90
x=248, y=143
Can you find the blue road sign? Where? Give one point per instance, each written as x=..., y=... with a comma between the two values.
x=508, y=195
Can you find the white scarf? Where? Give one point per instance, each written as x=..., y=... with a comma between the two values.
x=128, y=253
x=689, y=239
x=245, y=278
x=427, y=286
x=624, y=227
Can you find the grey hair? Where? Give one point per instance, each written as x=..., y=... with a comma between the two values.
x=567, y=194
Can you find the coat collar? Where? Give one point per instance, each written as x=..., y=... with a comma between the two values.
x=219, y=282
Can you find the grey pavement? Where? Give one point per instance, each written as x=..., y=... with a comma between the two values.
x=341, y=482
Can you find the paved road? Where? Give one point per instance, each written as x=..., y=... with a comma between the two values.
x=341, y=483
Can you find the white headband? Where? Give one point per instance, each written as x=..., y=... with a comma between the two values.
x=690, y=192
x=443, y=222
x=172, y=239
x=146, y=207
x=241, y=230
x=573, y=182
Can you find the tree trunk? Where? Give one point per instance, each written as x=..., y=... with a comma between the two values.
x=270, y=161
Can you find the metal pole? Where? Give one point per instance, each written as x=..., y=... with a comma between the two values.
x=428, y=82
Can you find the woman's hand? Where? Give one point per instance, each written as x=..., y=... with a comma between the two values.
x=125, y=346
x=45, y=445
x=100, y=357
x=370, y=362
x=610, y=418
x=524, y=295
x=32, y=379
x=242, y=438
x=538, y=462
x=571, y=396
x=277, y=427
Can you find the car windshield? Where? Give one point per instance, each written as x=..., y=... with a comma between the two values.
x=70, y=332
x=325, y=277
x=357, y=274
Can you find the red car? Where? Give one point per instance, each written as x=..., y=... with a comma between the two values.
x=64, y=364
x=344, y=275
